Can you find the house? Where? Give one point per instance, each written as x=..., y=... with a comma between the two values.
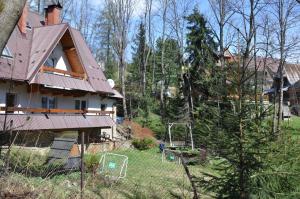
x=51, y=85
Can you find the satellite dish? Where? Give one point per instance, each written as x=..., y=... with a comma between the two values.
x=111, y=83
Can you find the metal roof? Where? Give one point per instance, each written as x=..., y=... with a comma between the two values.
x=44, y=40
x=117, y=94
x=31, y=50
x=94, y=71
x=55, y=122
x=56, y=80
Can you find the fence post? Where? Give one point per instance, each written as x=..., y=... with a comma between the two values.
x=82, y=166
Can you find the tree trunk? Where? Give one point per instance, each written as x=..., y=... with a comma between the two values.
x=163, y=82
x=280, y=103
x=122, y=78
x=10, y=12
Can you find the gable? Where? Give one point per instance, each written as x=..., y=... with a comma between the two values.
x=71, y=53
x=56, y=52
x=44, y=41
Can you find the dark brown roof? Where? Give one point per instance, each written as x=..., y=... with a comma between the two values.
x=30, y=51
x=44, y=40
x=18, y=46
x=94, y=71
x=290, y=70
x=62, y=81
x=55, y=122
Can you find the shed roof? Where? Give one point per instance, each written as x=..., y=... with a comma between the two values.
x=55, y=122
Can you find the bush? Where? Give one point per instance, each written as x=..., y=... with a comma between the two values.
x=32, y=163
x=143, y=144
x=91, y=162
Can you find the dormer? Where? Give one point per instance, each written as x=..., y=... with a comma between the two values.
x=64, y=59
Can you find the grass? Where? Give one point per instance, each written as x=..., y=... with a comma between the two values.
x=147, y=177
x=292, y=126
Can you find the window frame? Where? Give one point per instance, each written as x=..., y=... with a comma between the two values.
x=81, y=101
x=48, y=98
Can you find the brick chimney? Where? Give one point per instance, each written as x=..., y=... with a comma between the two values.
x=52, y=14
x=23, y=20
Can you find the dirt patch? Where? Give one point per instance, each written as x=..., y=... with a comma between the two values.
x=138, y=131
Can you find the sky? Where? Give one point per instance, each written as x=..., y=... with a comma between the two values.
x=138, y=12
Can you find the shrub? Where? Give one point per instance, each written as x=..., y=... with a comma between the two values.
x=143, y=144
x=91, y=162
x=32, y=163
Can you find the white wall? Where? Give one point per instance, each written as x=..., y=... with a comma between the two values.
x=34, y=100
x=62, y=62
x=22, y=97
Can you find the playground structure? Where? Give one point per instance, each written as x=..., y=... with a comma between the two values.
x=188, y=126
x=113, y=166
x=177, y=153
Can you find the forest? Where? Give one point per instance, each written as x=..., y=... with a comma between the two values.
x=218, y=65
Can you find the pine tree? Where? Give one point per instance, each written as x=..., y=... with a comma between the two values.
x=232, y=131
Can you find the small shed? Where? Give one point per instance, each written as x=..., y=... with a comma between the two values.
x=65, y=151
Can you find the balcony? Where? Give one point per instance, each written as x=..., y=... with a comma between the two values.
x=19, y=110
x=63, y=72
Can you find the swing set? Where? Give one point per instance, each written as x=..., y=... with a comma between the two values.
x=188, y=126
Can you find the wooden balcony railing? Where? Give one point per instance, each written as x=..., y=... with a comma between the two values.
x=63, y=72
x=49, y=111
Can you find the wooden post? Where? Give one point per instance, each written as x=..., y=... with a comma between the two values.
x=169, y=132
x=190, y=177
x=7, y=158
x=82, y=166
x=191, y=134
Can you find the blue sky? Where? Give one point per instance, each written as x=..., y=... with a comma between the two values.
x=156, y=24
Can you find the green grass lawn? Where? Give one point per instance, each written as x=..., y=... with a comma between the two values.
x=147, y=177
x=292, y=126
x=150, y=177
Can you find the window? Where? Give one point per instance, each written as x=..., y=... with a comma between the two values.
x=6, y=52
x=10, y=100
x=80, y=104
x=50, y=62
x=49, y=102
x=103, y=107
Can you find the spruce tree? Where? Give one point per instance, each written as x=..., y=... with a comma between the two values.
x=235, y=135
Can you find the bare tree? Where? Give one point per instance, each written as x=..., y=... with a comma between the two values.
x=10, y=12
x=120, y=12
x=164, y=4
x=222, y=13
x=179, y=9
x=148, y=20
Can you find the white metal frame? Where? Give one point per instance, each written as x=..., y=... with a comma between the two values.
x=187, y=125
x=123, y=171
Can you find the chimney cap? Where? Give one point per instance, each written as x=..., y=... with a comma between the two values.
x=53, y=3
